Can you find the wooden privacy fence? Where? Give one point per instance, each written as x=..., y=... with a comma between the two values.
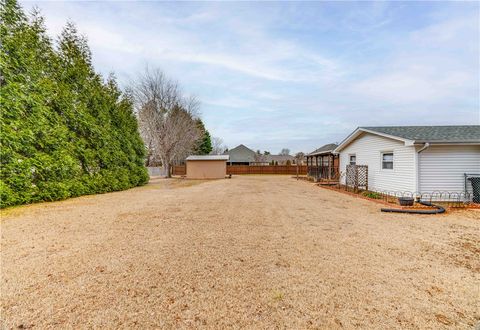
x=267, y=169
x=252, y=169
x=179, y=170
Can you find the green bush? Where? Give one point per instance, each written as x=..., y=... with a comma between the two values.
x=372, y=194
x=64, y=131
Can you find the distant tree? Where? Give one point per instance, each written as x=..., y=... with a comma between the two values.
x=285, y=152
x=266, y=153
x=168, y=120
x=204, y=143
x=299, y=157
x=218, y=147
x=288, y=162
x=259, y=158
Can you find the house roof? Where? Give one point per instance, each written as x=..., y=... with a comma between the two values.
x=241, y=153
x=328, y=148
x=433, y=134
x=460, y=134
x=279, y=158
x=208, y=157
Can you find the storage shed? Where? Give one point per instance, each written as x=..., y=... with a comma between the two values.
x=207, y=167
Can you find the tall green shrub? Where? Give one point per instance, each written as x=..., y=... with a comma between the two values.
x=64, y=131
x=204, y=143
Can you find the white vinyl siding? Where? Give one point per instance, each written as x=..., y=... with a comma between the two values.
x=368, y=149
x=442, y=168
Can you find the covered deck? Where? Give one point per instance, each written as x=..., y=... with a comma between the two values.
x=323, y=164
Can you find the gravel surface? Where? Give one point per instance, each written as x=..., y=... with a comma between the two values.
x=250, y=252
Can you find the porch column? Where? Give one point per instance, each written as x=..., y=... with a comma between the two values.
x=330, y=161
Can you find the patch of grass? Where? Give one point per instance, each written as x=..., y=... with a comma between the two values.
x=171, y=183
x=278, y=295
x=372, y=194
x=11, y=211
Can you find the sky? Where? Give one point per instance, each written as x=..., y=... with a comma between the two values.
x=295, y=75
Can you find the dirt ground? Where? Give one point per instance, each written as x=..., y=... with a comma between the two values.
x=250, y=252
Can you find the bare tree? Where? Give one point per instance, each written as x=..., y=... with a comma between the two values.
x=166, y=117
x=299, y=157
x=285, y=152
x=218, y=147
x=259, y=158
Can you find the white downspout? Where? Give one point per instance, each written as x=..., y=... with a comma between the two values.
x=425, y=146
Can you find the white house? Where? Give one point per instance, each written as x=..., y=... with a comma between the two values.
x=421, y=159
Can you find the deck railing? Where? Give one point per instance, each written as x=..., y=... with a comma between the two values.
x=323, y=172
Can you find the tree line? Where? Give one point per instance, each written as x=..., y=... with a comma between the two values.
x=66, y=131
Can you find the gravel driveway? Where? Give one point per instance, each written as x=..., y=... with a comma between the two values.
x=250, y=252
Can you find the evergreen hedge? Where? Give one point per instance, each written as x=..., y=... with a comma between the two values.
x=64, y=131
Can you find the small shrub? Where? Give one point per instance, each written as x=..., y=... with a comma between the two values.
x=372, y=194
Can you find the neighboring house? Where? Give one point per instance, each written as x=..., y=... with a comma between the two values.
x=241, y=155
x=280, y=159
x=422, y=159
x=322, y=164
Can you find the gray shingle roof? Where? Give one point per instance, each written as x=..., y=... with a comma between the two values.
x=324, y=149
x=439, y=134
x=279, y=158
x=241, y=154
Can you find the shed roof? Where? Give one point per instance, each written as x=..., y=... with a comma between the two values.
x=208, y=157
x=328, y=148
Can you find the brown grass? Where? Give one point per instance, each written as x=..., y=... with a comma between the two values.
x=253, y=251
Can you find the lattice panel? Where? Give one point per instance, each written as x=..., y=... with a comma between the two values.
x=357, y=177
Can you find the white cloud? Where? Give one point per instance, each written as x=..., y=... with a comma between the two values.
x=294, y=74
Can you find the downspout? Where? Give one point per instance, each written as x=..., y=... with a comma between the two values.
x=425, y=146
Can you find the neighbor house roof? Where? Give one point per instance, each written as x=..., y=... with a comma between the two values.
x=208, y=157
x=460, y=134
x=241, y=154
x=279, y=158
x=328, y=148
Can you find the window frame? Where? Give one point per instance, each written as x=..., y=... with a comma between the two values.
x=382, y=161
x=350, y=159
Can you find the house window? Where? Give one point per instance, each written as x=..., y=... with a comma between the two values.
x=353, y=159
x=387, y=160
